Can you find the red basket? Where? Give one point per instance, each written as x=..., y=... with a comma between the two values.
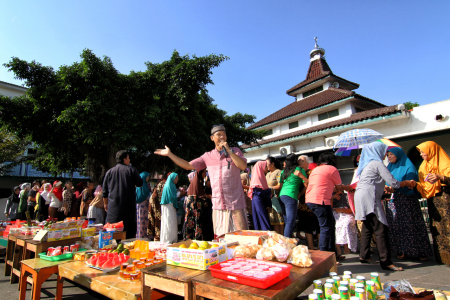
x=216, y=271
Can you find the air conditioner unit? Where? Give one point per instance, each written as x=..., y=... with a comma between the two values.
x=331, y=141
x=286, y=150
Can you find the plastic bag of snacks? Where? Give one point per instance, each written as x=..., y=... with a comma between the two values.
x=300, y=257
x=280, y=245
x=265, y=254
x=248, y=251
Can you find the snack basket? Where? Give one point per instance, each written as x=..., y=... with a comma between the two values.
x=262, y=278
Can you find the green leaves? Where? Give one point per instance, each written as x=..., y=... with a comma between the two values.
x=82, y=114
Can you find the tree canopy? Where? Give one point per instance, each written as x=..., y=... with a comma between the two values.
x=80, y=115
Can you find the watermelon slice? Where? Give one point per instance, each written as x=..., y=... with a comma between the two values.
x=116, y=261
x=101, y=261
x=122, y=256
x=108, y=264
x=111, y=255
x=92, y=261
x=118, y=224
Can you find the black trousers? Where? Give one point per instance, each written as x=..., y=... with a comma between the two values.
x=372, y=225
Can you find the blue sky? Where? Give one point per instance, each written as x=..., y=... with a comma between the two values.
x=396, y=50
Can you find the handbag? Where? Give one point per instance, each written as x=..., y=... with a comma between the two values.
x=276, y=205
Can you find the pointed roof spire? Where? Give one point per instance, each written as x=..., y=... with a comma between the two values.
x=317, y=51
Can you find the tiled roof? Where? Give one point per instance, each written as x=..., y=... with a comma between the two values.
x=322, y=98
x=318, y=69
x=353, y=118
x=13, y=85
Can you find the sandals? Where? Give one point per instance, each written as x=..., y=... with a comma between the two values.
x=340, y=257
x=392, y=268
x=368, y=261
x=402, y=257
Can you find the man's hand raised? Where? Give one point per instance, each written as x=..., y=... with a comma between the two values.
x=163, y=152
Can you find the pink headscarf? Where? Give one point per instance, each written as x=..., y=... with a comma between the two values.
x=258, y=177
x=97, y=190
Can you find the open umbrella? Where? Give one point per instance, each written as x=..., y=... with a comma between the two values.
x=356, y=137
x=353, y=150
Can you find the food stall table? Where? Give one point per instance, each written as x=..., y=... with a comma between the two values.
x=300, y=279
x=109, y=284
x=15, y=252
x=168, y=279
x=37, y=247
x=40, y=270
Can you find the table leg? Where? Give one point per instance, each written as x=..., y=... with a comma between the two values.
x=16, y=263
x=59, y=287
x=23, y=282
x=187, y=291
x=334, y=268
x=9, y=256
x=37, y=287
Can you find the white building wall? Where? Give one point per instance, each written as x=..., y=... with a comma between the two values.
x=421, y=120
x=5, y=90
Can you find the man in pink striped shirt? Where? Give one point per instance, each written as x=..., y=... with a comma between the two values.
x=224, y=164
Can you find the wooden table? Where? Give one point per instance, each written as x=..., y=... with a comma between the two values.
x=15, y=252
x=109, y=284
x=168, y=279
x=40, y=270
x=37, y=247
x=289, y=288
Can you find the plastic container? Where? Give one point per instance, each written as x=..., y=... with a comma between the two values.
x=69, y=255
x=283, y=271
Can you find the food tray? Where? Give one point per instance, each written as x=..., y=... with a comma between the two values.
x=44, y=256
x=262, y=283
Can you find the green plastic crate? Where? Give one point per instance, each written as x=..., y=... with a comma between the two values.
x=44, y=256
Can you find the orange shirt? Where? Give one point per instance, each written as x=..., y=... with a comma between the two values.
x=321, y=184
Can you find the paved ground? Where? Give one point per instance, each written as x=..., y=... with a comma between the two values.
x=427, y=274
x=420, y=274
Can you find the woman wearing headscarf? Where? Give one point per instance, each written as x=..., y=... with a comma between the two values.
x=154, y=210
x=169, y=205
x=97, y=207
x=434, y=184
x=198, y=223
x=23, y=196
x=373, y=175
x=260, y=194
x=142, y=199
x=12, y=205
x=44, y=201
x=56, y=200
x=407, y=230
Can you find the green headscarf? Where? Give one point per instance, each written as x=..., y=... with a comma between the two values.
x=169, y=194
x=143, y=192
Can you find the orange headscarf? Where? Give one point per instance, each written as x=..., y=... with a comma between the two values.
x=438, y=163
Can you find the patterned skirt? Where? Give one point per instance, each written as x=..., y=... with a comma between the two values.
x=439, y=210
x=154, y=219
x=346, y=232
x=198, y=223
x=142, y=218
x=407, y=230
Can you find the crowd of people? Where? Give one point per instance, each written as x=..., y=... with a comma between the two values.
x=379, y=207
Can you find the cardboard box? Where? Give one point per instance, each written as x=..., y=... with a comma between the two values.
x=252, y=237
x=63, y=234
x=60, y=231
x=194, y=258
x=88, y=232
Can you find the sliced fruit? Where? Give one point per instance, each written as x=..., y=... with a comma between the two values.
x=116, y=261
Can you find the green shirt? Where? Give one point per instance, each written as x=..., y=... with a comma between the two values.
x=291, y=185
